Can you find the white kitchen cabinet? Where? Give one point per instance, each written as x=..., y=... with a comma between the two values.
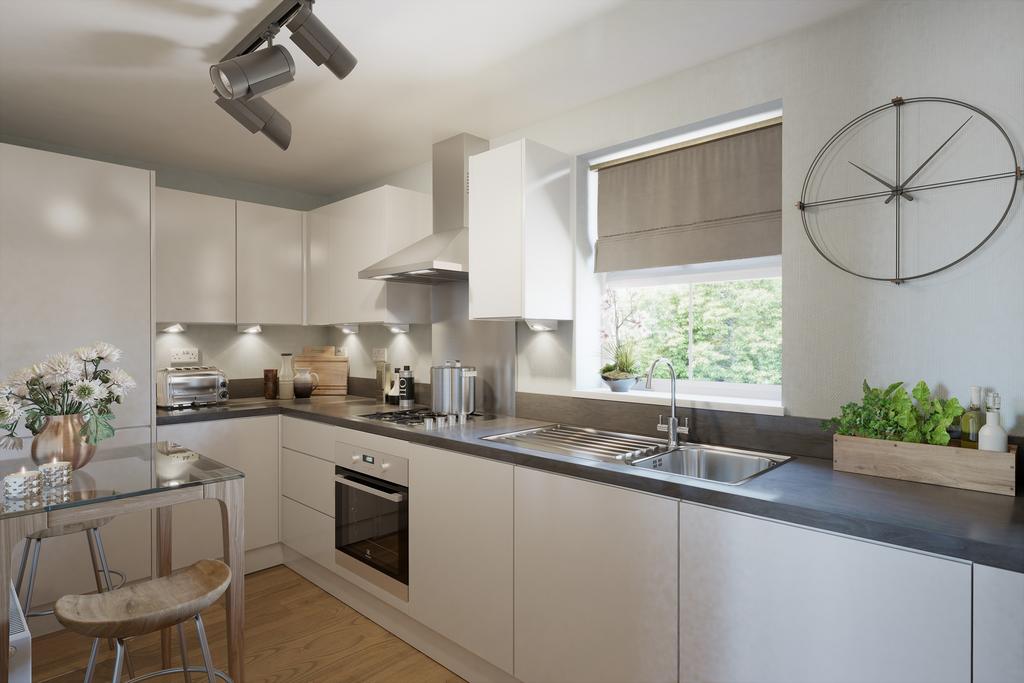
x=308, y=532
x=460, y=554
x=596, y=582
x=194, y=257
x=762, y=601
x=520, y=235
x=998, y=625
x=308, y=480
x=269, y=263
x=249, y=444
x=356, y=233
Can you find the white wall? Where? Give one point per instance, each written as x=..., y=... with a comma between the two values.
x=956, y=329
x=412, y=349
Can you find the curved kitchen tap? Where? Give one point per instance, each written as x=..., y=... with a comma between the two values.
x=673, y=428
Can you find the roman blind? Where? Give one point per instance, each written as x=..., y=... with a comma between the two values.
x=713, y=201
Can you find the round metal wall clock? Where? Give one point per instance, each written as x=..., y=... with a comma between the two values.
x=909, y=188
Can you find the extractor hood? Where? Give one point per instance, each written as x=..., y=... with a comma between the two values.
x=444, y=255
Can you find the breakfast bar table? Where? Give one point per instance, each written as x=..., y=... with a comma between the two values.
x=117, y=481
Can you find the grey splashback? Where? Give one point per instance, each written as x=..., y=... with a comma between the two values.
x=490, y=346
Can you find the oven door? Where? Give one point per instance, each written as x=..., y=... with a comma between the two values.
x=372, y=523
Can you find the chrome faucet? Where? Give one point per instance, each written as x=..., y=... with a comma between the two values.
x=673, y=428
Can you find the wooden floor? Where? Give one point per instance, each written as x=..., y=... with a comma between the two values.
x=294, y=632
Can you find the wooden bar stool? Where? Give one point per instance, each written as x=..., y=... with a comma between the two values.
x=146, y=607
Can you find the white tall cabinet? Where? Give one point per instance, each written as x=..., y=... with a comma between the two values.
x=194, y=257
x=596, y=582
x=766, y=601
x=520, y=233
x=269, y=263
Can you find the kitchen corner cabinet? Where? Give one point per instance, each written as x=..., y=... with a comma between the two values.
x=596, y=582
x=249, y=444
x=350, y=235
x=195, y=257
x=766, y=601
x=998, y=625
x=269, y=263
x=460, y=554
x=520, y=235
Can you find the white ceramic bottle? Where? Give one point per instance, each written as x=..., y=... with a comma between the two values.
x=286, y=378
x=992, y=437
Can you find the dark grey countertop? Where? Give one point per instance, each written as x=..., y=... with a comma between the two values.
x=980, y=527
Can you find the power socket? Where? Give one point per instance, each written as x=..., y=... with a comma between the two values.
x=185, y=355
x=380, y=355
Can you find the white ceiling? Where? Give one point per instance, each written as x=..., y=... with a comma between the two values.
x=128, y=78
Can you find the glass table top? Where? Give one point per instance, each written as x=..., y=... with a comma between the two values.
x=119, y=472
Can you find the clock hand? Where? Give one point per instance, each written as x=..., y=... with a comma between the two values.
x=892, y=188
x=925, y=162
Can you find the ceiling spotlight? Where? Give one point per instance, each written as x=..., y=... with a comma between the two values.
x=258, y=116
x=256, y=73
x=319, y=43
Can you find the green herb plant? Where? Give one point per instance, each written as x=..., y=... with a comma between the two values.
x=893, y=414
x=624, y=363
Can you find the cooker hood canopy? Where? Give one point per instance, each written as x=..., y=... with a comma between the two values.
x=444, y=255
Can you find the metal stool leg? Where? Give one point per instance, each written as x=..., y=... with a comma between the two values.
x=96, y=540
x=118, y=661
x=184, y=652
x=21, y=566
x=32, y=576
x=91, y=669
x=207, y=659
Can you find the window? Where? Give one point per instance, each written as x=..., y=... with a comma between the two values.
x=720, y=327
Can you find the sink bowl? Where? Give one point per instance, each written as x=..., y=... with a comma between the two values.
x=712, y=463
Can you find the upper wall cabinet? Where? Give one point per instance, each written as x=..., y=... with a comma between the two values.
x=520, y=235
x=195, y=257
x=346, y=237
x=269, y=249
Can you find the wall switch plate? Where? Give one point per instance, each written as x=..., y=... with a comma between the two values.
x=380, y=355
x=185, y=355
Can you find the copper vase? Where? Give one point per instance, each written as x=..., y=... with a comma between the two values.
x=61, y=438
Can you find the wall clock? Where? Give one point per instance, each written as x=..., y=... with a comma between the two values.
x=909, y=188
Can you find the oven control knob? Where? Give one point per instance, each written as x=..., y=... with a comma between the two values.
x=385, y=465
x=223, y=394
x=355, y=458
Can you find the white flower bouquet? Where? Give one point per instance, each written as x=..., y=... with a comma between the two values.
x=65, y=384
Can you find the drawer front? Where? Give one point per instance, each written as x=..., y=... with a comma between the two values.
x=308, y=480
x=311, y=438
x=307, y=532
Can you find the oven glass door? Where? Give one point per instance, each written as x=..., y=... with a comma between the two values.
x=372, y=522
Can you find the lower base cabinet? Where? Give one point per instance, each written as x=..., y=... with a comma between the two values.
x=249, y=444
x=596, y=582
x=998, y=625
x=307, y=532
x=763, y=601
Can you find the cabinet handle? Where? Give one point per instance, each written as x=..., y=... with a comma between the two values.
x=393, y=497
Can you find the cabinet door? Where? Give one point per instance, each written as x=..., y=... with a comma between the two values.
x=195, y=257
x=269, y=244
x=596, y=582
x=308, y=532
x=308, y=480
x=73, y=232
x=762, y=601
x=318, y=266
x=357, y=242
x=998, y=625
x=460, y=582
x=249, y=444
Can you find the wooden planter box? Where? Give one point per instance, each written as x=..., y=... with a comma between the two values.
x=961, y=468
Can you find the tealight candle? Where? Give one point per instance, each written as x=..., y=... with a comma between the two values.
x=56, y=474
x=23, y=484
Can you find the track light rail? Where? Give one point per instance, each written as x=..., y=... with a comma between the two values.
x=271, y=24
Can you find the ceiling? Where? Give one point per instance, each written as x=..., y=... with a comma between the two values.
x=128, y=78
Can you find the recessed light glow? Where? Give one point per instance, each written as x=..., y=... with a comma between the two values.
x=348, y=328
x=398, y=329
x=542, y=325
x=382, y=277
x=426, y=271
x=175, y=328
x=250, y=329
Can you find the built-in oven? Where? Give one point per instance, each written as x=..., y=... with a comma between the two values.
x=371, y=500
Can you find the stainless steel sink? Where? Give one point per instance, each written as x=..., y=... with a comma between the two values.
x=583, y=442
x=712, y=463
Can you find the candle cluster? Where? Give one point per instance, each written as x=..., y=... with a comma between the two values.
x=54, y=477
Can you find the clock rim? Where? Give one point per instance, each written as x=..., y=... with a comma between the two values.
x=892, y=104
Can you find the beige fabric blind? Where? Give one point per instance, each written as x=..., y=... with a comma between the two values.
x=715, y=201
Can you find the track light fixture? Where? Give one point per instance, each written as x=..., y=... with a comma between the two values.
x=250, y=70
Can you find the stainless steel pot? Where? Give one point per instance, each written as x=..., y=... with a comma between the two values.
x=453, y=389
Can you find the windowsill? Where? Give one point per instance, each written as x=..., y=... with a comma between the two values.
x=705, y=402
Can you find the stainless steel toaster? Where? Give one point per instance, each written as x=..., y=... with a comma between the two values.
x=186, y=386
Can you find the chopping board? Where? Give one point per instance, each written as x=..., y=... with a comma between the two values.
x=331, y=368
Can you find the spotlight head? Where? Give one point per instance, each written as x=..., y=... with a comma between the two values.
x=258, y=116
x=319, y=44
x=253, y=74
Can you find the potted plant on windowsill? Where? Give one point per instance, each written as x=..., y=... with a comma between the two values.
x=897, y=435
x=622, y=373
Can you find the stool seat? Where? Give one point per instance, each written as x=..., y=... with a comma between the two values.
x=148, y=606
x=69, y=529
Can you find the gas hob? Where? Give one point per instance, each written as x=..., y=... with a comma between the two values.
x=423, y=418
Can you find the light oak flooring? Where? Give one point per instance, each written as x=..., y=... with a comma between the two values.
x=294, y=632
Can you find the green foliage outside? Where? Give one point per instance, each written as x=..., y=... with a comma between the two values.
x=736, y=328
x=892, y=414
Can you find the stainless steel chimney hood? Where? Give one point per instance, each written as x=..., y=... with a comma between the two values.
x=444, y=255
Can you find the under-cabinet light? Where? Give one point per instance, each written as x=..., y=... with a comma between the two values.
x=382, y=277
x=542, y=325
x=426, y=271
x=250, y=329
x=348, y=329
x=398, y=329
x=174, y=328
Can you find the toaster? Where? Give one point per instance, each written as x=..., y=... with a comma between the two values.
x=187, y=386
